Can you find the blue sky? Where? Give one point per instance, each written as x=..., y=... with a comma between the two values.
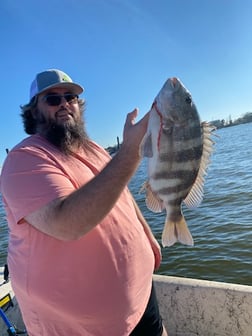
x=122, y=51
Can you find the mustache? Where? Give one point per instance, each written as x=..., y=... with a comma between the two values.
x=63, y=109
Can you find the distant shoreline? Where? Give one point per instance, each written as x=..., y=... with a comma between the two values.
x=247, y=118
x=217, y=123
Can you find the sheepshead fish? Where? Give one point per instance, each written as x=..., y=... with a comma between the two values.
x=178, y=147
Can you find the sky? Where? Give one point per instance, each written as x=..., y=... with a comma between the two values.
x=122, y=52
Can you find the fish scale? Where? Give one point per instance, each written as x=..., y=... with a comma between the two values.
x=178, y=147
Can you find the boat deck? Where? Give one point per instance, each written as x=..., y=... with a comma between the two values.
x=189, y=307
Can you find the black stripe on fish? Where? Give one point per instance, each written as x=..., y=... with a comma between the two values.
x=194, y=153
x=178, y=174
x=175, y=202
x=187, y=133
x=176, y=189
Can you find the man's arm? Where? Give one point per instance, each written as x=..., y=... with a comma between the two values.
x=73, y=216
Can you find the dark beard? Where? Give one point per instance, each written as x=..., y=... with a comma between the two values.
x=64, y=136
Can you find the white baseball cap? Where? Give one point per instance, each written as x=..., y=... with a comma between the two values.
x=53, y=78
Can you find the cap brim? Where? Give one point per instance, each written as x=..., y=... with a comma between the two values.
x=73, y=87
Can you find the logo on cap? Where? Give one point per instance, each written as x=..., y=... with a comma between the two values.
x=65, y=78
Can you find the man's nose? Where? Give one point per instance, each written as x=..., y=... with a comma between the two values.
x=63, y=102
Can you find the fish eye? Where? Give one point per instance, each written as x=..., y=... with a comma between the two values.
x=188, y=100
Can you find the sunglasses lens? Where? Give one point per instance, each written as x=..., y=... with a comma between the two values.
x=70, y=97
x=55, y=100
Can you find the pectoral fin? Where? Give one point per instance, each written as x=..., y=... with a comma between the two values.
x=146, y=146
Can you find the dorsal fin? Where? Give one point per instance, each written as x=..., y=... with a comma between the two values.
x=194, y=198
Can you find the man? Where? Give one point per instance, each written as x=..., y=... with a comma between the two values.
x=81, y=255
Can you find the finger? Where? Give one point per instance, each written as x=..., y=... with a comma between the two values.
x=132, y=116
x=145, y=119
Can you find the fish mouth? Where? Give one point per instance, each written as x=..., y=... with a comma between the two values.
x=174, y=82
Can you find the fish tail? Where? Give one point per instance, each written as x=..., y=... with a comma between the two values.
x=176, y=231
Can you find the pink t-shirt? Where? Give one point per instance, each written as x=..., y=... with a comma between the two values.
x=97, y=285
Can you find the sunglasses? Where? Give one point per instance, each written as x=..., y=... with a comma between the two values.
x=56, y=99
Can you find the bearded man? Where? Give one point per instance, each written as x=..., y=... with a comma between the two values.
x=81, y=256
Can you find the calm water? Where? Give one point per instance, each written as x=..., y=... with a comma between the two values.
x=221, y=226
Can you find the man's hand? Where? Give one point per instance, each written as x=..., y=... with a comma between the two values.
x=134, y=132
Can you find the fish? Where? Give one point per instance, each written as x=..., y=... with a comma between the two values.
x=177, y=146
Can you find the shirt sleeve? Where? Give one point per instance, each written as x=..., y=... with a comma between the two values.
x=30, y=179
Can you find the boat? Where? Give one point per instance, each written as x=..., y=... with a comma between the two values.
x=11, y=322
x=189, y=307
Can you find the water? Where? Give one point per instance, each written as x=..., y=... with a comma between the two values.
x=221, y=226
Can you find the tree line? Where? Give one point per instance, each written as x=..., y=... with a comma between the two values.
x=246, y=118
